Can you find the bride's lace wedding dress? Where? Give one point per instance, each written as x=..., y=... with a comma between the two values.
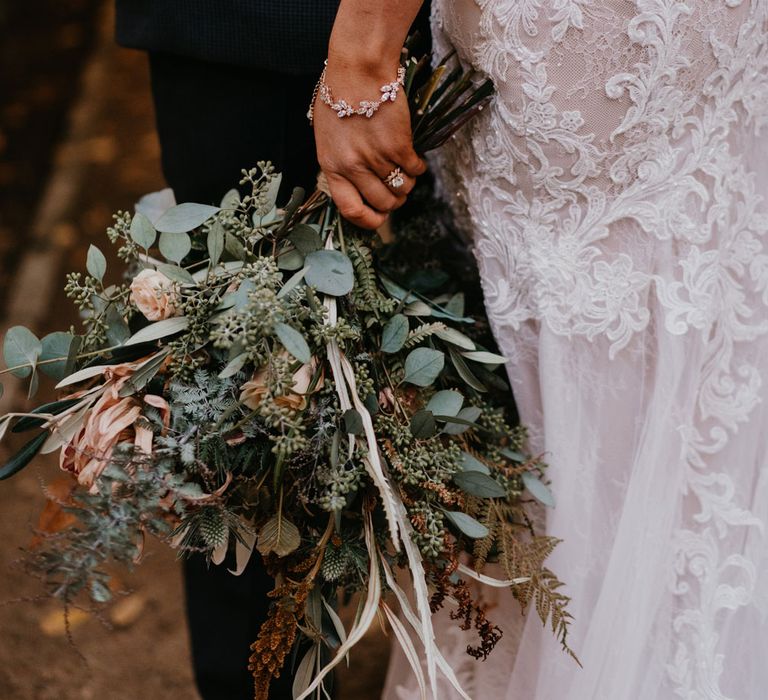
x=617, y=189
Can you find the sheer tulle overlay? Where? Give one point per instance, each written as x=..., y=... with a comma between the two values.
x=616, y=189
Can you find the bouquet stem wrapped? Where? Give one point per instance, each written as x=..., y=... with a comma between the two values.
x=274, y=380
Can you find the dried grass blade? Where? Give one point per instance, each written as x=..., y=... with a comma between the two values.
x=396, y=516
x=367, y=616
x=416, y=624
x=409, y=650
x=490, y=580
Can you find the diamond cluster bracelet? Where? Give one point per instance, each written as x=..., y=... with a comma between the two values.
x=365, y=108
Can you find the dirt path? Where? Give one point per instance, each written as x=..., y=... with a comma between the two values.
x=106, y=160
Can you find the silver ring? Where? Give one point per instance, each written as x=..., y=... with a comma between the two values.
x=395, y=179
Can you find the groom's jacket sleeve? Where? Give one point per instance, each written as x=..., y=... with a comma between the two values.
x=287, y=36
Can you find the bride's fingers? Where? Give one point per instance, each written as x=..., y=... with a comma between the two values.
x=385, y=170
x=351, y=205
x=375, y=192
x=410, y=162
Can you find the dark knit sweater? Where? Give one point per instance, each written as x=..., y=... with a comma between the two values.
x=287, y=36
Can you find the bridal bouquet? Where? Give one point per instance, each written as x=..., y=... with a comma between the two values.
x=273, y=379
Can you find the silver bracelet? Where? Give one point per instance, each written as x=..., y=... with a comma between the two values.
x=366, y=108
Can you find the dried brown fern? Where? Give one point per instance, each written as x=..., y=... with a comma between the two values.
x=525, y=558
x=512, y=542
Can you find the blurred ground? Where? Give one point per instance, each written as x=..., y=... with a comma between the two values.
x=77, y=143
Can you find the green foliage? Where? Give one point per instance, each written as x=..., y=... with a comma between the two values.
x=280, y=337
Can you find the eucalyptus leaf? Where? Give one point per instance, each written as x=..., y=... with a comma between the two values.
x=417, y=308
x=371, y=403
x=514, y=455
x=270, y=217
x=96, y=263
x=489, y=377
x=353, y=422
x=470, y=463
x=55, y=345
x=486, y=358
x=142, y=231
x=143, y=374
x=290, y=260
x=74, y=349
x=176, y=273
x=538, y=490
x=23, y=457
x=305, y=238
x=290, y=209
x=446, y=403
x=185, y=217
x=454, y=337
x=423, y=424
x=293, y=342
x=467, y=524
x=270, y=196
x=215, y=242
x=292, y=283
x=440, y=312
x=423, y=366
x=237, y=299
x=81, y=376
x=335, y=448
x=278, y=535
x=463, y=421
x=117, y=330
x=175, y=246
x=231, y=200
x=394, y=334
x=455, y=304
x=478, y=484
x=159, y=329
x=21, y=350
x=234, y=366
x=465, y=372
x=305, y=672
x=396, y=290
x=330, y=272
x=338, y=625
x=313, y=609
x=234, y=247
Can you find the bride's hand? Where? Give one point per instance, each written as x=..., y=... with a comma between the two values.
x=357, y=153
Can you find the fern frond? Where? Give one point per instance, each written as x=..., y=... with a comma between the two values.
x=422, y=332
x=367, y=294
x=484, y=546
x=525, y=558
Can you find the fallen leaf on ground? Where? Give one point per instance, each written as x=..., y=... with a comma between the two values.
x=127, y=610
x=53, y=624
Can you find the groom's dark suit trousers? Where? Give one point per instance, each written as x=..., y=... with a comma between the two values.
x=213, y=120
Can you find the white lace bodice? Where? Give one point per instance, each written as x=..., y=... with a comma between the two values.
x=610, y=113
x=616, y=188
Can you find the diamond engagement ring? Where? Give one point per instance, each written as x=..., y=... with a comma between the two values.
x=395, y=179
